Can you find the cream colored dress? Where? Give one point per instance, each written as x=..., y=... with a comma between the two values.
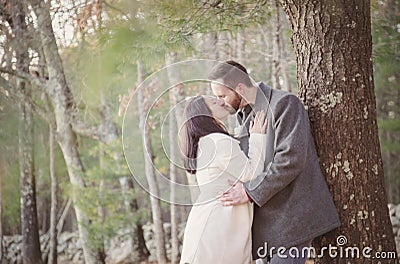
x=215, y=233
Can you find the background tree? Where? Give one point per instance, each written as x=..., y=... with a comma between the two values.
x=15, y=12
x=54, y=188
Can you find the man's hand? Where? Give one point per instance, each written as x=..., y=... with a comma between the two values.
x=235, y=195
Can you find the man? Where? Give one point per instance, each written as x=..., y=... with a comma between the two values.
x=292, y=203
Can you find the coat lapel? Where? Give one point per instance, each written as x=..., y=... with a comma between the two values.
x=263, y=99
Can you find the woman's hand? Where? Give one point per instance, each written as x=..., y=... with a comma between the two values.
x=259, y=123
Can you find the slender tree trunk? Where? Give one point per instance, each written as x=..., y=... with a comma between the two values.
x=276, y=58
x=63, y=104
x=241, y=46
x=176, y=96
x=1, y=220
x=209, y=45
x=53, y=211
x=139, y=249
x=283, y=58
x=143, y=106
x=265, y=33
x=64, y=214
x=335, y=77
x=224, y=51
x=173, y=179
x=229, y=45
x=29, y=219
x=101, y=208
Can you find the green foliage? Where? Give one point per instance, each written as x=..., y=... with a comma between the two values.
x=9, y=167
x=102, y=199
x=182, y=19
x=391, y=125
x=386, y=52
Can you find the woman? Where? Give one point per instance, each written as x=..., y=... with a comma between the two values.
x=215, y=233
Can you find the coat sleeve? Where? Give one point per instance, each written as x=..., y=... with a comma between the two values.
x=231, y=159
x=291, y=142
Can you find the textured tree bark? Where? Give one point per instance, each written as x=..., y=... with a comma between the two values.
x=63, y=104
x=29, y=220
x=335, y=78
x=143, y=105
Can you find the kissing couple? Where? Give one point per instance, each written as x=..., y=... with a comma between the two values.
x=260, y=186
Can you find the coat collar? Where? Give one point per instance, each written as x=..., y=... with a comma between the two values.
x=263, y=99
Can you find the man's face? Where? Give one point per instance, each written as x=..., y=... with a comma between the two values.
x=231, y=98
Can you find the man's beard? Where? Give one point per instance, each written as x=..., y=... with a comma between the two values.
x=230, y=109
x=234, y=107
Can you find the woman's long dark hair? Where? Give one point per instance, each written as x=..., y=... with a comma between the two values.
x=199, y=122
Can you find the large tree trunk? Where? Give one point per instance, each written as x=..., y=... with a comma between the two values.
x=63, y=102
x=335, y=77
x=29, y=220
x=143, y=107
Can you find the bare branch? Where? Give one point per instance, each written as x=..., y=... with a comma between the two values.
x=96, y=132
x=26, y=76
x=7, y=89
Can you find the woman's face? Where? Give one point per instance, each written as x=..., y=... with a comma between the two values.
x=217, y=107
